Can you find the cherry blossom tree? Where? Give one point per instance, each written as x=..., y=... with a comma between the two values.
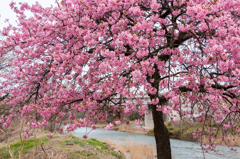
x=80, y=55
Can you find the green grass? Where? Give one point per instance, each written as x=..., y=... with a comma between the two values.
x=83, y=142
x=98, y=145
x=83, y=154
x=74, y=141
x=17, y=146
x=79, y=143
x=117, y=155
x=4, y=153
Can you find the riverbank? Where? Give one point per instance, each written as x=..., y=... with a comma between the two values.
x=175, y=132
x=58, y=146
x=180, y=149
x=67, y=146
x=132, y=146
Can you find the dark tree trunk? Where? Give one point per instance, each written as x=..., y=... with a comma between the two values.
x=161, y=135
x=160, y=130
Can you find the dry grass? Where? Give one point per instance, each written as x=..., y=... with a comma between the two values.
x=49, y=154
x=136, y=150
x=233, y=141
x=11, y=132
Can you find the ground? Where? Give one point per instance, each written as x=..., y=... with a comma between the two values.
x=61, y=146
x=65, y=146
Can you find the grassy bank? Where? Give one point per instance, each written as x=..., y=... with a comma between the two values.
x=180, y=131
x=64, y=146
x=59, y=147
x=184, y=132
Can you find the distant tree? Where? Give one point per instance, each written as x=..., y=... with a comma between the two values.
x=187, y=48
x=5, y=69
x=5, y=58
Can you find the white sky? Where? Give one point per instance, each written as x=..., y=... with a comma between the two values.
x=6, y=12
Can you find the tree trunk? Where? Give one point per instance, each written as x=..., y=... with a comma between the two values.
x=161, y=135
x=160, y=130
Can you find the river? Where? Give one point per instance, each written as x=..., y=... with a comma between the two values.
x=180, y=149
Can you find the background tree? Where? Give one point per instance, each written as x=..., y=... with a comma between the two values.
x=4, y=70
x=187, y=48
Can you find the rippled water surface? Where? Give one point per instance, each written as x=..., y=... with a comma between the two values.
x=180, y=149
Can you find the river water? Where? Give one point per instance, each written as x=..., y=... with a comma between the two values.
x=180, y=149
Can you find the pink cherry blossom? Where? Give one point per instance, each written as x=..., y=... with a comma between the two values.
x=85, y=136
x=155, y=101
x=118, y=122
x=94, y=127
x=109, y=126
x=50, y=136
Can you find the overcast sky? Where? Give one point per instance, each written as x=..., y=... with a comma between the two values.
x=6, y=12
